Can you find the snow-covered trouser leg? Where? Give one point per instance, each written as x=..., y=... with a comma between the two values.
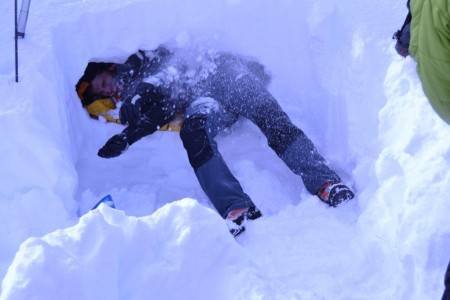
x=303, y=159
x=221, y=187
x=204, y=118
x=246, y=96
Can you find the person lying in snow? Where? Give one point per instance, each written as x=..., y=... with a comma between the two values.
x=211, y=90
x=425, y=36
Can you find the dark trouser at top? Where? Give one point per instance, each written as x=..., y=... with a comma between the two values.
x=242, y=94
x=446, y=295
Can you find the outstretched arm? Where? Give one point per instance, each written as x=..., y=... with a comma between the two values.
x=145, y=113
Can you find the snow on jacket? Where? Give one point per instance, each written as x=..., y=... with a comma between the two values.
x=430, y=48
x=163, y=83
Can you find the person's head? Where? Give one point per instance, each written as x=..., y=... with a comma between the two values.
x=97, y=82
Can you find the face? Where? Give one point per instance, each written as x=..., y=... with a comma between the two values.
x=104, y=85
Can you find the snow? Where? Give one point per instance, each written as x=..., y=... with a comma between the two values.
x=335, y=72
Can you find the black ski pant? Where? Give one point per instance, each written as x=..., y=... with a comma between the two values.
x=235, y=95
x=446, y=295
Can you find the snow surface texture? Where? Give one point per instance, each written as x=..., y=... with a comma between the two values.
x=337, y=75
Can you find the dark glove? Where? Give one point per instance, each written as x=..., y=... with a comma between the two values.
x=403, y=37
x=129, y=113
x=115, y=146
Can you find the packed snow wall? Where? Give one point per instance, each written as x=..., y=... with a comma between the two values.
x=293, y=39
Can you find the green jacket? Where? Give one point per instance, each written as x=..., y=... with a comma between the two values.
x=430, y=48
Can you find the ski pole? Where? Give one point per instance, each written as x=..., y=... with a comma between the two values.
x=15, y=38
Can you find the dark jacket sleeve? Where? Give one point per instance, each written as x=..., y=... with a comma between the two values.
x=155, y=107
x=144, y=63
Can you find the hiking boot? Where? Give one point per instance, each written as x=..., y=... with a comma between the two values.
x=335, y=193
x=237, y=218
x=253, y=213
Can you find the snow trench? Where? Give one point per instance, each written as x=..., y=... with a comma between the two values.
x=334, y=72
